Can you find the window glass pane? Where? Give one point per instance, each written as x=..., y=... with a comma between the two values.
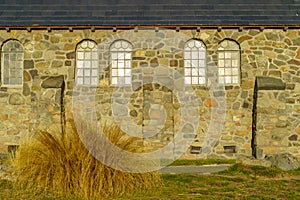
x=121, y=72
x=194, y=72
x=94, y=72
x=80, y=55
x=114, y=56
x=187, y=80
x=80, y=72
x=235, y=80
x=227, y=63
x=202, y=80
x=87, y=64
x=95, y=64
x=127, y=55
x=87, y=73
x=79, y=64
x=227, y=55
x=235, y=71
x=187, y=71
x=127, y=72
x=228, y=71
x=114, y=72
x=114, y=80
x=87, y=80
x=227, y=79
x=202, y=55
x=194, y=80
x=114, y=64
x=234, y=63
x=94, y=55
x=187, y=55
x=221, y=71
x=128, y=64
x=221, y=80
x=221, y=63
x=127, y=80
x=121, y=64
x=221, y=55
x=195, y=55
x=202, y=63
x=94, y=81
x=79, y=80
x=195, y=63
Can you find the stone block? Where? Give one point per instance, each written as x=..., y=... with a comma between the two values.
x=269, y=83
x=53, y=82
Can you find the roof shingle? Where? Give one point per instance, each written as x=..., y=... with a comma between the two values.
x=148, y=12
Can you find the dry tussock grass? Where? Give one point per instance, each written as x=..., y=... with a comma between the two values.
x=61, y=163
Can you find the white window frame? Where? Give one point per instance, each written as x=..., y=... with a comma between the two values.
x=12, y=62
x=229, y=62
x=87, y=69
x=121, y=61
x=195, y=62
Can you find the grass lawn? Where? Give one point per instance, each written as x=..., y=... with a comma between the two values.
x=238, y=182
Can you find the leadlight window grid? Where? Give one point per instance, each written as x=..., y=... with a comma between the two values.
x=229, y=63
x=87, y=63
x=120, y=56
x=195, y=63
x=12, y=59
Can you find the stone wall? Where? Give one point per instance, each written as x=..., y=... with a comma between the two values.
x=49, y=77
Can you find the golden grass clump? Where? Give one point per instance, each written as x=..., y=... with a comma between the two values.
x=61, y=163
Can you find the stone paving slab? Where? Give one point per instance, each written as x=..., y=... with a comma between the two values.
x=193, y=169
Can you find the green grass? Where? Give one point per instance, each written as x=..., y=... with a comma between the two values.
x=209, y=161
x=238, y=182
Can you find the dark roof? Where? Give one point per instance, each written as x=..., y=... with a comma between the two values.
x=148, y=12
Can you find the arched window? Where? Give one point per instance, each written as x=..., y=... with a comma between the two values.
x=87, y=63
x=229, y=62
x=12, y=59
x=195, y=62
x=120, y=56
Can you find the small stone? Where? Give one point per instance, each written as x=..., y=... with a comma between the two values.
x=133, y=113
x=210, y=102
x=173, y=63
x=56, y=63
x=37, y=54
x=154, y=62
x=26, y=89
x=26, y=76
x=69, y=47
x=276, y=73
x=53, y=82
x=270, y=54
x=188, y=128
x=293, y=137
x=247, y=84
x=244, y=38
x=33, y=73
x=297, y=130
x=13, y=132
x=294, y=62
x=54, y=39
x=16, y=99
x=71, y=55
x=241, y=133
x=28, y=64
x=298, y=53
x=67, y=63
x=4, y=117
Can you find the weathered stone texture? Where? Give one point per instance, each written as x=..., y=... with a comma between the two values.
x=274, y=55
